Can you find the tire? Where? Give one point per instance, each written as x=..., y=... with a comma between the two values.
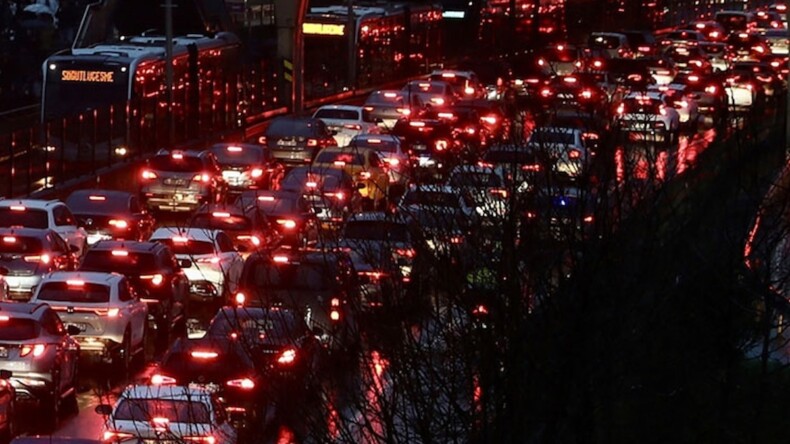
x=123, y=358
x=10, y=431
x=50, y=411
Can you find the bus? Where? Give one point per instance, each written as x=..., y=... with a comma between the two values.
x=392, y=41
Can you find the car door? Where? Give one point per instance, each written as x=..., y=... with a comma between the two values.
x=230, y=260
x=134, y=309
x=67, y=348
x=65, y=224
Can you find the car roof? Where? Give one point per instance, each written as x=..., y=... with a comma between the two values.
x=186, y=153
x=91, y=277
x=655, y=95
x=434, y=189
x=169, y=392
x=22, y=309
x=37, y=204
x=26, y=232
x=200, y=234
x=340, y=107
x=135, y=246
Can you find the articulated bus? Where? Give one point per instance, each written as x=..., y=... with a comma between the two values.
x=392, y=41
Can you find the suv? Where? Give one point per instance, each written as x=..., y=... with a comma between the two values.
x=346, y=121
x=153, y=269
x=52, y=214
x=181, y=180
x=105, y=309
x=295, y=140
x=107, y=214
x=39, y=350
x=247, y=166
x=465, y=82
x=27, y=254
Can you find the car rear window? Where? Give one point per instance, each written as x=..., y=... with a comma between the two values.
x=256, y=325
x=221, y=221
x=119, y=261
x=293, y=276
x=475, y=179
x=20, y=244
x=382, y=145
x=339, y=114
x=424, y=87
x=431, y=198
x=384, y=98
x=604, y=42
x=28, y=218
x=98, y=204
x=85, y=292
x=189, y=246
x=143, y=410
x=289, y=128
x=186, y=164
x=340, y=157
x=18, y=329
x=234, y=155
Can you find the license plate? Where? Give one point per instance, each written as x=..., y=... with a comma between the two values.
x=231, y=174
x=286, y=142
x=178, y=197
x=3, y=352
x=420, y=147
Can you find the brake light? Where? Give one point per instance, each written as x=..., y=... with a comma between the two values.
x=262, y=140
x=180, y=239
x=437, y=100
x=118, y=223
x=498, y=192
x=339, y=163
x=220, y=214
x=97, y=198
x=643, y=48
x=448, y=75
x=480, y=310
x=368, y=108
x=491, y=120
x=456, y=240
x=364, y=175
x=234, y=149
x=390, y=95
x=177, y=155
x=243, y=383
x=75, y=283
x=266, y=198
x=393, y=162
x=112, y=435
x=9, y=239
x=759, y=48
x=545, y=92
x=113, y=312
x=587, y=94
x=288, y=356
x=541, y=62
x=693, y=78
x=256, y=173
x=352, y=126
x=156, y=279
x=148, y=175
x=711, y=89
x=208, y=260
x=714, y=34
x=597, y=63
x=334, y=314
x=441, y=145
x=404, y=111
x=469, y=90
x=120, y=253
x=574, y=154
x=35, y=350
x=621, y=109
x=406, y=252
x=312, y=142
x=158, y=379
x=339, y=195
x=288, y=224
x=203, y=177
x=240, y=298
x=280, y=259
x=445, y=115
x=588, y=219
x=417, y=124
x=203, y=354
x=43, y=258
x=662, y=110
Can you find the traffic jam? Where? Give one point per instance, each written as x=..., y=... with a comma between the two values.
x=216, y=299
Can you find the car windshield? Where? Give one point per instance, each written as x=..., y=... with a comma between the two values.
x=18, y=329
x=120, y=261
x=376, y=231
x=381, y=145
x=340, y=157
x=304, y=178
x=188, y=246
x=219, y=220
x=20, y=244
x=173, y=410
x=294, y=276
x=257, y=325
x=475, y=179
x=176, y=164
x=604, y=42
x=642, y=106
x=98, y=204
x=74, y=291
x=234, y=155
x=338, y=114
x=27, y=218
x=291, y=128
x=548, y=136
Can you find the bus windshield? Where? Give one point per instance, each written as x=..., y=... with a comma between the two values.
x=71, y=88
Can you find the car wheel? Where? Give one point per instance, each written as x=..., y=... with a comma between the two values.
x=10, y=429
x=51, y=406
x=123, y=357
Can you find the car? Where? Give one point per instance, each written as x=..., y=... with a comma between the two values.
x=346, y=121
x=488, y=186
x=563, y=151
x=330, y=192
x=439, y=198
x=364, y=165
x=777, y=40
x=767, y=81
x=41, y=355
x=642, y=42
x=681, y=37
x=183, y=414
x=52, y=214
x=612, y=44
x=735, y=21
x=744, y=46
x=711, y=96
x=385, y=241
x=767, y=20
x=742, y=90
x=108, y=214
x=432, y=93
x=181, y=181
x=27, y=254
x=104, y=307
x=465, y=82
x=385, y=107
x=431, y=145
x=320, y=282
x=209, y=260
x=711, y=29
x=295, y=140
x=493, y=118
x=717, y=55
x=573, y=92
x=468, y=129
x=247, y=166
x=159, y=280
x=684, y=100
x=287, y=213
x=248, y=227
x=442, y=236
x=517, y=160
x=648, y=114
x=249, y=353
x=528, y=78
x=690, y=59
x=559, y=59
x=557, y=214
x=390, y=151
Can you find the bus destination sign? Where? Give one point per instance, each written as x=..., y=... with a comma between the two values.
x=78, y=75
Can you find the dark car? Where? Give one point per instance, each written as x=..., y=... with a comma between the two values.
x=574, y=92
x=557, y=214
x=247, y=354
x=181, y=180
x=40, y=352
x=247, y=166
x=295, y=140
x=467, y=126
x=431, y=145
x=107, y=214
x=642, y=42
x=318, y=282
x=154, y=271
x=287, y=213
x=493, y=118
x=247, y=226
x=329, y=191
x=27, y=254
x=387, y=106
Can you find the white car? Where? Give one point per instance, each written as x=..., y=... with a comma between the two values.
x=346, y=121
x=741, y=93
x=777, y=41
x=486, y=184
x=430, y=92
x=390, y=151
x=208, y=258
x=105, y=307
x=650, y=114
x=166, y=413
x=563, y=147
x=38, y=213
x=683, y=100
x=466, y=82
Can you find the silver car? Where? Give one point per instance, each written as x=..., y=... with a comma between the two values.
x=181, y=180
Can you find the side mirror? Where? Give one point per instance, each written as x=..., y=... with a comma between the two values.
x=74, y=248
x=184, y=263
x=360, y=186
x=73, y=330
x=5, y=374
x=103, y=409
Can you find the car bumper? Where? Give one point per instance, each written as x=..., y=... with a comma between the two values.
x=31, y=386
x=174, y=201
x=21, y=287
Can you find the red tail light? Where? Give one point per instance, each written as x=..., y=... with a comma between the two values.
x=148, y=175
x=262, y=140
x=156, y=279
x=113, y=436
x=334, y=313
x=204, y=354
x=243, y=383
x=588, y=219
x=288, y=224
x=208, y=260
x=403, y=111
x=35, y=350
x=587, y=94
x=574, y=154
x=44, y=258
x=256, y=173
x=480, y=310
x=312, y=142
x=158, y=379
x=364, y=175
x=287, y=357
x=491, y=120
x=441, y=145
x=240, y=298
x=498, y=192
x=119, y=224
x=621, y=109
x=406, y=252
x=203, y=177
x=352, y=126
x=545, y=92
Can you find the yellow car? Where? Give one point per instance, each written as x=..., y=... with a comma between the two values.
x=370, y=173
